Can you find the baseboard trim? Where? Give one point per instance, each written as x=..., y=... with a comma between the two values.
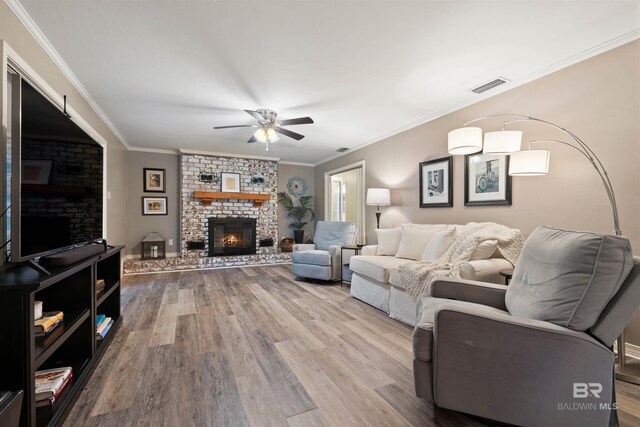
x=207, y=268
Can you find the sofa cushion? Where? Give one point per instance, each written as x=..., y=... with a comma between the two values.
x=423, y=332
x=375, y=267
x=414, y=241
x=388, y=240
x=315, y=257
x=567, y=277
x=395, y=279
x=430, y=227
x=441, y=241
x=484, y=250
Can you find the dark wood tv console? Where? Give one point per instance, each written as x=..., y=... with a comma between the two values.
x=71, y=289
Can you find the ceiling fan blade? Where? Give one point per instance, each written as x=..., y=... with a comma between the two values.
x=252, y=140
x=298, y=121
x=254, y=114
x=234, y=126
x=288, y=133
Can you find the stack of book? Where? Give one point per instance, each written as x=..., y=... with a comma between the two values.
x=99, y=287
x=50, y=383
x=103, y=324
x=47, y=323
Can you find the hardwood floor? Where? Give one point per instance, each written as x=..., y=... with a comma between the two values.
x=251, y=346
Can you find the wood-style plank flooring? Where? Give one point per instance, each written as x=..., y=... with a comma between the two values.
x=254, y=347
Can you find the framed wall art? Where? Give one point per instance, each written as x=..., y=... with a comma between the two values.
x=154, y=180
x=36, y=171
x=230, y=182
x=436, y=183
x=154, y=206
x=486, y=180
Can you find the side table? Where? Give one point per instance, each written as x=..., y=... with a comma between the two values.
x=344, y=270
x=507, y=273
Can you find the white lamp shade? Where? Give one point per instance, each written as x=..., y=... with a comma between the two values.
x=502, y=142
x=378, y=196
x=261, y=134
x=272, y=135
x=466, y=140
x=529, y=163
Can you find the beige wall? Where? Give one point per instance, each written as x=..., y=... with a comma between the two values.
x=597, y=99
x=139, y=225
x=284, y=173
x=20, y=40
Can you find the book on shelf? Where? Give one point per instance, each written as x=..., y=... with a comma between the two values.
x=104, y=327
x=47, y=322
x=48, y=331
x=50, y=400
x=51, y=382
x=99, y=319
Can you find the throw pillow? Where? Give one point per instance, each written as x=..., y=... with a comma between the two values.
x=429, y=227
x=484, y=250
x=568, y=277
x=439, y=244
x=413, y=242
x=388, y=240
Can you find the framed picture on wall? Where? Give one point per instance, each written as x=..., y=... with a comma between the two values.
x=36, y=171
x=436, y=183
x=230, y=182
x=154, y=180
x=486, y=180
x=154, y=206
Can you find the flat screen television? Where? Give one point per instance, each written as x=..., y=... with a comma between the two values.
x=57, y=191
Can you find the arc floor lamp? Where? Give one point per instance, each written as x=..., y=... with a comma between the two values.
x=535, y=162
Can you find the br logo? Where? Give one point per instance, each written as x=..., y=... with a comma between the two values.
x=584, y=390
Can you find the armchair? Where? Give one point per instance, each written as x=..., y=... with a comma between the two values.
x=539, y=352
x=322, y=259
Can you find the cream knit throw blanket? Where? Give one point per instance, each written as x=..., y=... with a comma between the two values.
x=418, y=276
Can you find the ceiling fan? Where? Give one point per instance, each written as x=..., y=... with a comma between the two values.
x=269, y=127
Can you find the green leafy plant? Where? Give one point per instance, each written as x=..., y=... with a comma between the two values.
x=297, y=212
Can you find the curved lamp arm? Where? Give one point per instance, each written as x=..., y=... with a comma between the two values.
x=577, y=144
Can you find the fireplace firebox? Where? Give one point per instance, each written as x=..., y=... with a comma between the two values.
x=232, y=236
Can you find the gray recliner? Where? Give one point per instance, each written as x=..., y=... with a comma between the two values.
x=538, y=352
x=322, y=260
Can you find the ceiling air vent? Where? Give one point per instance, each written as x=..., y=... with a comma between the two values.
x=487, y=86
x=342, y=149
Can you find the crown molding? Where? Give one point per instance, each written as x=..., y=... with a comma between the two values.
x=42, y=40
x=284, y=162
x=231, y=155
x=582, y=56
x=153, y=150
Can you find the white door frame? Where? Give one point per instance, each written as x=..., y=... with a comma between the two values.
x=360, y=232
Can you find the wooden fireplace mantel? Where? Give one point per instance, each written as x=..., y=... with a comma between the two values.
x=208, y=197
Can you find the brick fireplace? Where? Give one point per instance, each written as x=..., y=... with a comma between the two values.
x=196, y=215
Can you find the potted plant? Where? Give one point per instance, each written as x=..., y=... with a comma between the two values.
x=298, y=213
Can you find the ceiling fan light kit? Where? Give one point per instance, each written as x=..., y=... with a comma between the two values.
x=269, y=127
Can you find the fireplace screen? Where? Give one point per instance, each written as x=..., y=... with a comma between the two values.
x=232, y=236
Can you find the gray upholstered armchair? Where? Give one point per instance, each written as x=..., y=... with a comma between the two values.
x=539, y=352
x=322, y=259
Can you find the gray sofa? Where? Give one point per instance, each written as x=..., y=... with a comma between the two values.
x=322, y=259
x=531, y=353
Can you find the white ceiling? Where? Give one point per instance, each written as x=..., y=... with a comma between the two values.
x=166, y=72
